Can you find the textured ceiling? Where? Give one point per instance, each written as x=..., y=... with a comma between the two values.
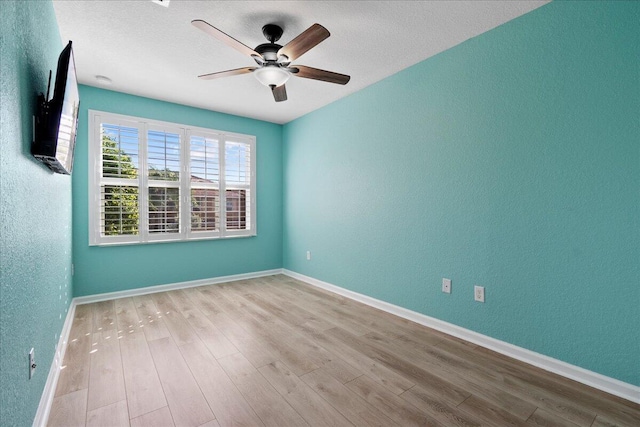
x=150, y=50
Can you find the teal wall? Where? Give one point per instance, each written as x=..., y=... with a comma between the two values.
x=510, y=161
x=116, y=268
x=35, y=214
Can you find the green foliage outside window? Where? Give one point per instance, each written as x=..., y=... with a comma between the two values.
x=121, y=212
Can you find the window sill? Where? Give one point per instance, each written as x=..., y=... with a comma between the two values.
x=196, y=239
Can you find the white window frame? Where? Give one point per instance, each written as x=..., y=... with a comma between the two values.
x=96, y=180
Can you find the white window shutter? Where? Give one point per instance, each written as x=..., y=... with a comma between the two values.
x=159, y=181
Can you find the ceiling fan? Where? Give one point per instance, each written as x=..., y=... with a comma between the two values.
x=273, y=60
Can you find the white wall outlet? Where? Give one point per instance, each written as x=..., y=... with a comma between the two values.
x=478, y=292
x=32, y=363
x=308, y=255
x=446, y=286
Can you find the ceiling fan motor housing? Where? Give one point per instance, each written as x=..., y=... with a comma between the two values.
x=269, y=51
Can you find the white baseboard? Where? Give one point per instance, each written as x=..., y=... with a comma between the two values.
x=584, y=376
x=42, y=414
x=172, y=286
x=44, y=408
x=593, y=379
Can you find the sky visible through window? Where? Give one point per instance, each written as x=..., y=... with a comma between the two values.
x=237, y=163
x=163, y=155
x=164, y=147
x=126, y=139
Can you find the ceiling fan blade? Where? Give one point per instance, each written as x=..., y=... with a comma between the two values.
x=309, y=38
x=279, y=93
x=223, y=37
x=317, y=74
x=227, y=73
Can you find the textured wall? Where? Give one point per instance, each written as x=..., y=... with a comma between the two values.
x=35, y=214
x=115, y=268
x=511, y=161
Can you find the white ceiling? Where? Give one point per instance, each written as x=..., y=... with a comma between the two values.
x=153, y=51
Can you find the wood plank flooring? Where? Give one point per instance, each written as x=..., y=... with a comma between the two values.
x=277, y=352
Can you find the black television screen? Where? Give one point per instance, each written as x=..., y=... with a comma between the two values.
x=56, y=120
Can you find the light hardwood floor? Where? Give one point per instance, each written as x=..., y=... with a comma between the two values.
x=276, y=352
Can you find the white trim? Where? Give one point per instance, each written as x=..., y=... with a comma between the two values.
x=584, y=376
x=593, y=379
x=143, y=183
x=44, y=408
x=173, y=286
x=46, y=400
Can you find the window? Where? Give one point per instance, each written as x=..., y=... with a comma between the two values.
x=155, y=181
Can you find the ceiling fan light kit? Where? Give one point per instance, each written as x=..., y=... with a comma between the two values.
x=274, y=60
x=272, y=75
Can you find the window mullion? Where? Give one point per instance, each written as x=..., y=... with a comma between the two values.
x=223, y=186
x=185, y=185
x=143, y=177
x=128, y=182
x=152, y=183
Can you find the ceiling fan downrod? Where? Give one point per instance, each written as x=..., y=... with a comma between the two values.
x=272, y=32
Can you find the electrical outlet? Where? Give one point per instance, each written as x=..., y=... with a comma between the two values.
x=446, y=286
x=308, y=255
x=478, y=292
x=32, y=363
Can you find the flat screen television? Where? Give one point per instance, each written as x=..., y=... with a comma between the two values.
x=56, y=120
